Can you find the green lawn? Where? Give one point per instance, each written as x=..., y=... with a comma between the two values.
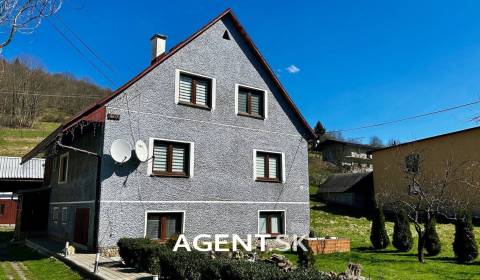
x=387, y=264
x=17, y=261
x=18, y=141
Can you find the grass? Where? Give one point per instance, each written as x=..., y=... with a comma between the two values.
x=388, y=263
x=18, y=141
x=31, y=264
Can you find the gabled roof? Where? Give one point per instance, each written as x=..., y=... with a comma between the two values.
x=99, y=105
x=338, y=183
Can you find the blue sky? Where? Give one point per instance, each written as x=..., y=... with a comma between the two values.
x=354, y=62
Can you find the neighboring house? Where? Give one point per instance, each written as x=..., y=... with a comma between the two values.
x=453, y=158
x=351, y=157
x=16, y=182
x=354, y=190
x=228, y=149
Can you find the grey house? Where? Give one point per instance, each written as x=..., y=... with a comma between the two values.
x=228, y=149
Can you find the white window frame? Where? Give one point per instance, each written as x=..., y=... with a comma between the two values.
x=182, y=230
x=282, y=158
x=177, y=86
x=265, y=98
x=55, y=217
x=64, y=218
x=191, y=156
x=64, y=155
x=276, y=210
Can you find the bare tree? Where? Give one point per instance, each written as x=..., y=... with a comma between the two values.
x=375, y=141
x=441, y=192
x=23, y=16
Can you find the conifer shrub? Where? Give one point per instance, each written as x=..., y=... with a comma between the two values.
x=402, y=235
x=433, y=245
x=378, y=234
x=464, y=244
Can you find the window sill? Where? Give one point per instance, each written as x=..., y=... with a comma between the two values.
x=268, y=180
x=273, y=235
x=207, y=108
x=251, y=116
x=169, y=175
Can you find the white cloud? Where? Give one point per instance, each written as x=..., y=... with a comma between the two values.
x=292, y=69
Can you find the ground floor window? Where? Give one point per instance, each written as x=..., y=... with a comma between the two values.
x=64, y=215
x=271, y=222
x=55, y=214
x=163, y=225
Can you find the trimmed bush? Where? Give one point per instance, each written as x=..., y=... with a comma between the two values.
x=130, y=250
x=464, y=245
x=378, y=234
x=402, y=235
x=158, y=259
x=432, y=241
x=243, y=270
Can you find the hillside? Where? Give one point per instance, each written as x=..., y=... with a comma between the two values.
x=29, y=94
x=33, y=103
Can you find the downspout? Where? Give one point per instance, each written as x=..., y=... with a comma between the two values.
x=97, y=191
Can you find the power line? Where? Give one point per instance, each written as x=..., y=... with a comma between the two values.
x=64, y=36
x=407, y=118
x=51, y=95
x=84, y=44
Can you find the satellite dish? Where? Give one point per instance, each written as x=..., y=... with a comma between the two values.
x=141, y=151
x=120, y=151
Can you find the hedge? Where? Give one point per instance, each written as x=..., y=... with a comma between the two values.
x=148, y=256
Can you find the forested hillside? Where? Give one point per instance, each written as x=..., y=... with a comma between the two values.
x=34, y=102
x=29, y=94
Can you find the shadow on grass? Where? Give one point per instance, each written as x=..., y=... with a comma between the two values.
x=341, y=210
x=371, y=250
x=19, y=253
x=5, y=236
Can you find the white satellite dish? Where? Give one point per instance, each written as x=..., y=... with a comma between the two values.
x=141, y=150
x=120, y=151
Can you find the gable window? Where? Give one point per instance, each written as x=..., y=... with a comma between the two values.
x=268, y=166
x=412, y=162
x=55, y=214
x=163, y=225
x=250, y=102
x=194, y=90
x=271, y=222
x=63, y=169
x=171, y=158
x=64, y=215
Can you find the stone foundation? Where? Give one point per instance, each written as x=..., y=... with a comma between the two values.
x=109, y=252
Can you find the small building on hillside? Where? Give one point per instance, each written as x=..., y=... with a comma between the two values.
x=348, y=189
x=351, y=157
x=451, y=160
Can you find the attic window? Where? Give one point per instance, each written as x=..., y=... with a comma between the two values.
x=226, y=35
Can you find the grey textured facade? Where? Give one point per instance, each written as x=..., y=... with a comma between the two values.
x=222, y=195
